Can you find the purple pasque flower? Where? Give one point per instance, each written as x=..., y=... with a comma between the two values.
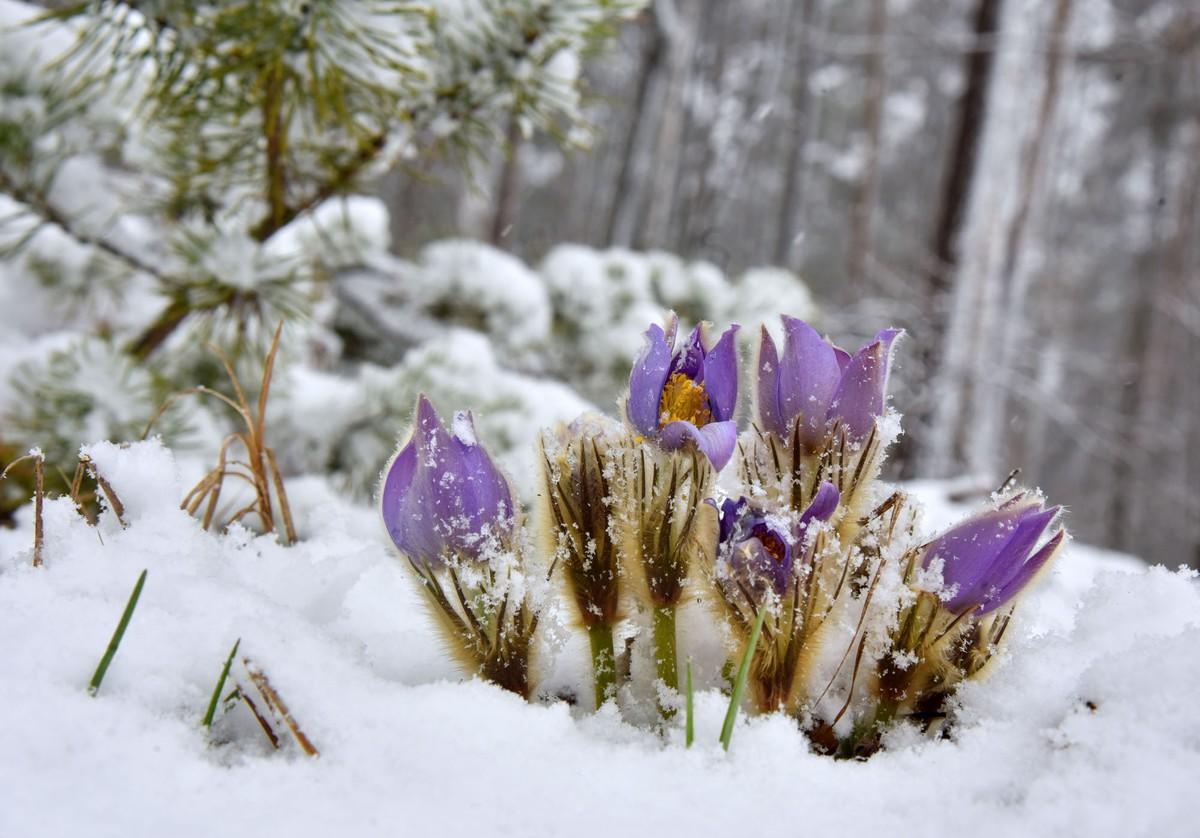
x=760, y=547
x=442, y=495
x=814, y=383
x=686, y=394
x=991, y=556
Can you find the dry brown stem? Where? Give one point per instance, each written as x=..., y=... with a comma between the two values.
x=259, y=468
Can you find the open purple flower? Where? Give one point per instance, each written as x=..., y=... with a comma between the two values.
x=442, y=494
x=814, y=383
x=990, y=557
x=686, y=394
x=760, y=548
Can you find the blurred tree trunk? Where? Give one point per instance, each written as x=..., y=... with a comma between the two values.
x=505, y=215
x=986, y=324
x=669, y=153
x=867, y=193
x=796, y=145
x=1013, y=336
x=959, y=173
x=634, y=176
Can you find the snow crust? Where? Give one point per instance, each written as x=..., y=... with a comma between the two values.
x=1086, y=727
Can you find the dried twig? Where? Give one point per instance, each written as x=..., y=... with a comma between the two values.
x=114, y=502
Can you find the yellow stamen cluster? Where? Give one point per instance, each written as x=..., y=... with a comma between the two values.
x=684, y=399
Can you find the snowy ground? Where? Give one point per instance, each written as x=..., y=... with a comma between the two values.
x=1088, y=728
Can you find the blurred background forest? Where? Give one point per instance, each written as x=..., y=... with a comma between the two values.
x=1015, y=182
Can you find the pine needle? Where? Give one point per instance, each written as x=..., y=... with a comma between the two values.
x=111, y=651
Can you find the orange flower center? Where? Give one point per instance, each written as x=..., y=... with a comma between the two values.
x=684, y=400
x=774, y=546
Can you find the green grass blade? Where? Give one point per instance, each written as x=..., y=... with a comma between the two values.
x=739, y=684
x=690, y=728
x=216, y=694
x=111, y=651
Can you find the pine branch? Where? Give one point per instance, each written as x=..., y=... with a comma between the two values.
x=40, y=206
x=340, y=180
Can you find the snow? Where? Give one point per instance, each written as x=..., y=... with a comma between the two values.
x=1086, y=727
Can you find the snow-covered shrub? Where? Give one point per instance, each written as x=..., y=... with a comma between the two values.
x=474, y=285
x=188, y=174
x=348, y=425
x=602, y=300
x=87, y=390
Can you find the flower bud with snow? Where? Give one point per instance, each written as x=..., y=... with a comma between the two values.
x=442, y=495
x=989, y=558
x=450, y=512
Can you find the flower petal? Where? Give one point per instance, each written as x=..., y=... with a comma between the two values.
x=1024, y=574
x=862, y=392
x=1027, y=533
x=770, y=416
x=730, y=510
x=485, y=499
x=720, y=376
x=969, y=550
x=773, y=563
x=397, y=481
x=808, y=376
x=689, y=359
x=408, y=507
x=716, y=439
x=647, y=379
x=843, y=357
x=822, y=506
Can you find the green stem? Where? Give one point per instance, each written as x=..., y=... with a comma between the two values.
x=664, y=651
x=113, y=644
x=216, y=693
x=604, y=664
x=739, y=684
x=690, y=728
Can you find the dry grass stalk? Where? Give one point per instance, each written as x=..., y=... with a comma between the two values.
x=88, y=466
x=259, y=468
x=240, y=693
x=39, y=496
x=275, y=704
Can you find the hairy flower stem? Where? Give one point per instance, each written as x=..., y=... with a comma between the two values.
x=604, y=665
x=664, y=652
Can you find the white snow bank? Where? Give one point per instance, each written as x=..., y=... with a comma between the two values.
x=1088, y=727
